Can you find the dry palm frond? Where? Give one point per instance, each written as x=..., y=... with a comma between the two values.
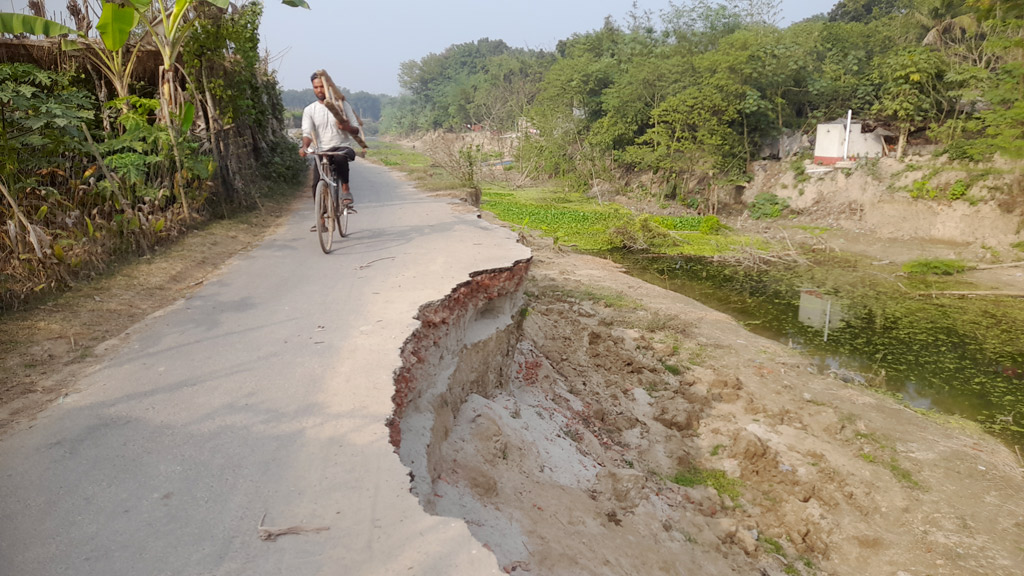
x=37, y=8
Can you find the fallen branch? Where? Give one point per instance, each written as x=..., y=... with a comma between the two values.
x=368, y=264
x=103, y=166
x=20, y=216
x=271, y=534
x=991, y=266
x=973, y=293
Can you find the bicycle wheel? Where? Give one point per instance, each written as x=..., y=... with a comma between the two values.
x=324, y=217
x=342, y=222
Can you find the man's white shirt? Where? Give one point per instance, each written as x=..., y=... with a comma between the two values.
x=319, y=124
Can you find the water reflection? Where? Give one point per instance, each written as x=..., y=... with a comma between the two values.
x=819, y=311
x=956, y=356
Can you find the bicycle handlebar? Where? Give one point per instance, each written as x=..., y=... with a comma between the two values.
x=315, y=152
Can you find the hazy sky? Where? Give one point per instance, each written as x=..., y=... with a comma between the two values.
x=362, y=43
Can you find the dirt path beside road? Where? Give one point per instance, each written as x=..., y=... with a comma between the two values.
x=48, y=345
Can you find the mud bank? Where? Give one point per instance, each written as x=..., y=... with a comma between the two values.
x=554, y=423
x=463, y=346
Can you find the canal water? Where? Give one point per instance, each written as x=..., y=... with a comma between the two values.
x=955, y=356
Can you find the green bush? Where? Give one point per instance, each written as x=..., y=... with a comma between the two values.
x=767, y=206
x=967, y=149
x=939, y=266
x=922, y=189
x=799, y=170
x=959, y=190
x=679, y=223
x=711, y=225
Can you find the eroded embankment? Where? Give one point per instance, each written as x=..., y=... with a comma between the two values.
x=554, y=432
x=536, y=470
x=464, y=346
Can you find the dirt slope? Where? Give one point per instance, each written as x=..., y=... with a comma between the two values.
x=566, y=472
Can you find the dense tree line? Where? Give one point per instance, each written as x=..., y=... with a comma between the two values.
x=368, y=106
x=691, y=93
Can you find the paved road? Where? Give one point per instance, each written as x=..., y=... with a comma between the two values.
x=265, y=392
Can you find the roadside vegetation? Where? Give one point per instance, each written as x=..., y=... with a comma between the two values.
x=152, y=119
x=688, y=96
x=570, y=218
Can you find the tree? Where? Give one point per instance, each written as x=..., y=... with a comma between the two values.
x=911, y=93
x=998, y=9
x=944, y=20
x=693, y=142
x=865, y=11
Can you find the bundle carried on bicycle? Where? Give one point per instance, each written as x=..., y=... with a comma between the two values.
x=334, y=101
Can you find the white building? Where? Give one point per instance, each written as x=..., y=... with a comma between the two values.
x=831, y=142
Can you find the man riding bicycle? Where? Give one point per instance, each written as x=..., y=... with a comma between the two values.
x=331, y=136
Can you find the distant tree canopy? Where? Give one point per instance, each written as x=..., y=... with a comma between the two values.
x=693, y=93
x=864, y=11
x=367, y=105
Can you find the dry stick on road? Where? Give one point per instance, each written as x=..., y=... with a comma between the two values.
x=368, y=264
x=271, y=534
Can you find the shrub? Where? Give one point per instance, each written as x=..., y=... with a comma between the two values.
x=922, y=189
x=767, y=206
x=939, y=266
x=959, y=190
x=799, y=170
x=711, y=225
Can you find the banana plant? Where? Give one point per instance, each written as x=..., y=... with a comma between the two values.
x=114, y=26
x=168, y=23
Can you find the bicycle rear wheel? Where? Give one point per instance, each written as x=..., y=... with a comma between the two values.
x=325, y=217
x=343, y=222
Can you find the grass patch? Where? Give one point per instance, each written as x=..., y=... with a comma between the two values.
x=935, y=266
x=773, y=546
x=393, y=155
x=891, y=464
x=813, y=230
x=608, y=298
x=671, y=369
x=717, y=479
x=583, y=223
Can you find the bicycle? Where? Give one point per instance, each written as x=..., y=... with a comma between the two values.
x=328, y=214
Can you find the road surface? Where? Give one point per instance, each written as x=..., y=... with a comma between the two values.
x=264, y=393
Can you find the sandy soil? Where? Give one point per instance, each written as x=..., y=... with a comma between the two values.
x=569, y=471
